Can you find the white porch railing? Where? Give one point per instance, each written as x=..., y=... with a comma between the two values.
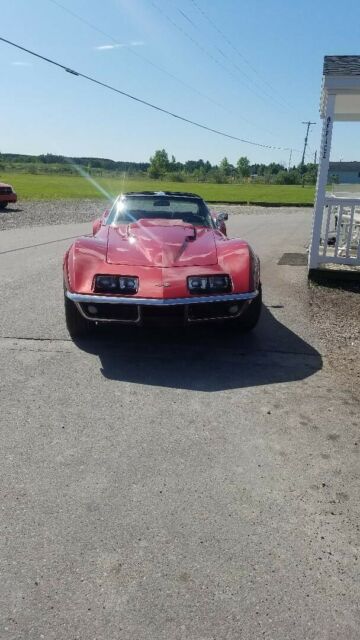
x=340, y=234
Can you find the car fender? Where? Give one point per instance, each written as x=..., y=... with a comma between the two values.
x=238, y=260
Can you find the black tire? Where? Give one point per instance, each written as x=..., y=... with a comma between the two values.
x=77, y=325
x=250, y=317
x=3, y=205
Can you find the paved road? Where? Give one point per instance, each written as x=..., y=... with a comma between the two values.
x=169, y=486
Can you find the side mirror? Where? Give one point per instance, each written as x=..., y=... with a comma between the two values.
x=105, y=214
x=96, y=226
x=220, y=222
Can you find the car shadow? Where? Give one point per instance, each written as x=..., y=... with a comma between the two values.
x=204, y=358
x=348, y=282
x=10, y=210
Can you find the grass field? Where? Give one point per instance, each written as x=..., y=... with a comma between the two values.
x=54, y=187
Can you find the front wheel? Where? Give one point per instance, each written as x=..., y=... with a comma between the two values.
x=77, y=325
x=3, y=205
x=250, y=317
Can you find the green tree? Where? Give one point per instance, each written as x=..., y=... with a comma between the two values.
x=288, y=177
x=159, y=164
x=215, y=175
x=173, y=165
x=243, y=167
x=199, y=174
x=225, y=167
x=310, y=174
x=275, y=167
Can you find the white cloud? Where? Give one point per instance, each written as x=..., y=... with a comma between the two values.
x=104, y=47
x=21, y=64
x=120, y=45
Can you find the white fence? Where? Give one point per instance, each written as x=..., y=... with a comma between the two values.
x=340, y=233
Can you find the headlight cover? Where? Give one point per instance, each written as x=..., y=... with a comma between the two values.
x=116, y=284
x=209, y=284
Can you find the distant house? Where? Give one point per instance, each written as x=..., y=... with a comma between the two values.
x=344, y=172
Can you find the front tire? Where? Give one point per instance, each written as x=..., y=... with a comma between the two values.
x=77, y=325
x=3, y=205
x=250, y=317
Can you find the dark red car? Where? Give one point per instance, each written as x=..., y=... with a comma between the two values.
x=7, y=194
x=160, y=257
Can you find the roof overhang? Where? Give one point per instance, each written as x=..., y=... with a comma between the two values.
x=341, y=78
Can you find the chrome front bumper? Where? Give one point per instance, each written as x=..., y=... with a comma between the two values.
x=163, y=302
x=139, y=308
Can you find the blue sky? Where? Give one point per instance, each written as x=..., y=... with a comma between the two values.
x=258, y=82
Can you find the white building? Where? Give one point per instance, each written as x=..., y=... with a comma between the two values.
x=336, y=225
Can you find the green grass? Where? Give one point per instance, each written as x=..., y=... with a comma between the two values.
x=54, y=187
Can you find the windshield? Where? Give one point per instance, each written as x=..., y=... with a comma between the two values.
x=133, y=208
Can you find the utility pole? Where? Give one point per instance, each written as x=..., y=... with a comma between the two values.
x=290, y=156
x=308, y=125
x=315, y=157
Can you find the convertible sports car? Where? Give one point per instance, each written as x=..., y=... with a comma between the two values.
x=160, y=257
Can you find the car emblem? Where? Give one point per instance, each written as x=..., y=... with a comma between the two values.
x=164, y=284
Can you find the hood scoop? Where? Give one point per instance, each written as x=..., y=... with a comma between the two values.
x=161, y=243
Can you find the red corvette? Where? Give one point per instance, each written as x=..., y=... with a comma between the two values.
x=160, y=257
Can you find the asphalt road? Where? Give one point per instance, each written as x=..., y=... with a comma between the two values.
x=174, y=486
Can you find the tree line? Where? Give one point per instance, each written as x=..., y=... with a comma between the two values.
x=160, y=166
x=203, y=171
x=51, y=160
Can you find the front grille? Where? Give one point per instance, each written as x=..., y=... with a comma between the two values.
x=171, y=315
x=214, y=310
x=153, y=315
x=115, y=312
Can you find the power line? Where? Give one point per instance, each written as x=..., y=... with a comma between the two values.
x=142, y=57
x=195, y=26
x=153, y=64
x=231, y=60
x=140, y=100
x=136, y=53
x=187, y=18
x=231, y=44
x=205, y=51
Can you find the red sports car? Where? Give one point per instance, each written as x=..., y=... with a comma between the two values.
x=160, y=257
x=7, y=194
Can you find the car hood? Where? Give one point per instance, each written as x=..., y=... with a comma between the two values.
x=161, y=243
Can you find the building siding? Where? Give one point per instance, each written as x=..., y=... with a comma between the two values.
x=345, y=177
x=346, y=172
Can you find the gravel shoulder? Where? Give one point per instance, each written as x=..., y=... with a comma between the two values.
x=35, y=213
x=335, y=314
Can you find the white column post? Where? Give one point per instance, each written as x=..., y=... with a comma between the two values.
x=322, y=181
